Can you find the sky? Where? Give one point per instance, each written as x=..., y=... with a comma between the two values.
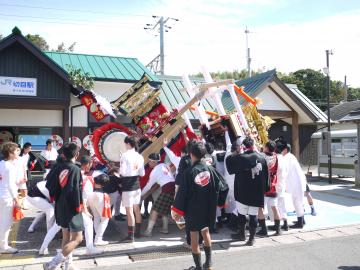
x=284, y=34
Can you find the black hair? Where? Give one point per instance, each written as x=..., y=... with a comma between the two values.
x=198, y=150
x=271, y=145
x=248, y=142
x=132, y=141
x=189, y=145
x=102, y=179
x=280, y=145
x=209, y=148
x=26, y=145
x=48, y=141
x=85, y=160
x=184, y=150
x=70, y=150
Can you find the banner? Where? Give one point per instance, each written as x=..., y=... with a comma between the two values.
x=90, y=103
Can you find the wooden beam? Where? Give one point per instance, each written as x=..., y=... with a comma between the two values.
x=66, y=128
x=32, y=103
x=295, y=135
x=282, y=114
x=158, y=143
x=206, y=86
x=357, y=171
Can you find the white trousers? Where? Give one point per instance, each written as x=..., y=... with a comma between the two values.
x=50, y=236
x=89, y=231
x=282, y=207
x=44, y=206
x=100, y=223
x=6, y=209
x=298, y=202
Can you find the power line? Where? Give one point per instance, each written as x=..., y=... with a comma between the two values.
x=74, y=10
x=162, y=27
x=69, y=20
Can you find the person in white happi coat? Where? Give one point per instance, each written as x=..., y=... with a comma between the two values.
x=295, y=185
x=50, y=155
x=281, y=189
x=99, y=203
x=88, y=189
x=8, y=195
x=160, y=178
x=131, y=169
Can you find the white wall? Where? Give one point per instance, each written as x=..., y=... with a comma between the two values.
x=80, y=113
x=111, y=90
x=31, y=118
x=270, y=101
x=343, y=126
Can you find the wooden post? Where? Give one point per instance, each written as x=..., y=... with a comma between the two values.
x=295, y=135
x=357, y=164
x=66, y=128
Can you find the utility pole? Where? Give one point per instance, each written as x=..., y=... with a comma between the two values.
x=162, y=55
x=248, y=59
x=161, y=23
x=345, y=90
x=328, y=52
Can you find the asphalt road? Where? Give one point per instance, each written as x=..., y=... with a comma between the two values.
x=326, y=254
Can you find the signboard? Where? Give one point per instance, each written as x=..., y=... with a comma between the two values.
x=16, y=86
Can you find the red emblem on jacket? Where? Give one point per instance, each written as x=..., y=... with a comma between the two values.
x=63, y=178
x=202, y=179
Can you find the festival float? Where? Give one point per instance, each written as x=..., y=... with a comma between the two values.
x=152, y=121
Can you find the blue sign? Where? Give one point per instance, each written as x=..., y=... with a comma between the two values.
x=18, y=86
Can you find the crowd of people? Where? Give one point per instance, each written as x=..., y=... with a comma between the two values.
x=239, y=185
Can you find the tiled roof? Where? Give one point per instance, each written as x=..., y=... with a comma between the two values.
x=171, y=95
x=258, y=82
x=351, y=116
x=315, y=110
x=103, y=67
x=251, y=85
x=341, y=110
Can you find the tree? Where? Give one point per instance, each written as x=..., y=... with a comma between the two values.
x=39, y=41
x=224, y=75
x=62, y=48
x=314, y=85
x=353, y=93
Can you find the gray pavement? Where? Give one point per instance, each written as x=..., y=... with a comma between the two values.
x=338, y=208
x=329, y=253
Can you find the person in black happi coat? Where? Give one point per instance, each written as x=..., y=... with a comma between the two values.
x=251, y=179
x=201, y=191
x=65, y=188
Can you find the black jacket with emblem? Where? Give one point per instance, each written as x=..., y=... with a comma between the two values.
x=201, y=191
x=251, y=175
x=65, y=188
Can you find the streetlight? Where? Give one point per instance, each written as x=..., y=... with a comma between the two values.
x=327, y=72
